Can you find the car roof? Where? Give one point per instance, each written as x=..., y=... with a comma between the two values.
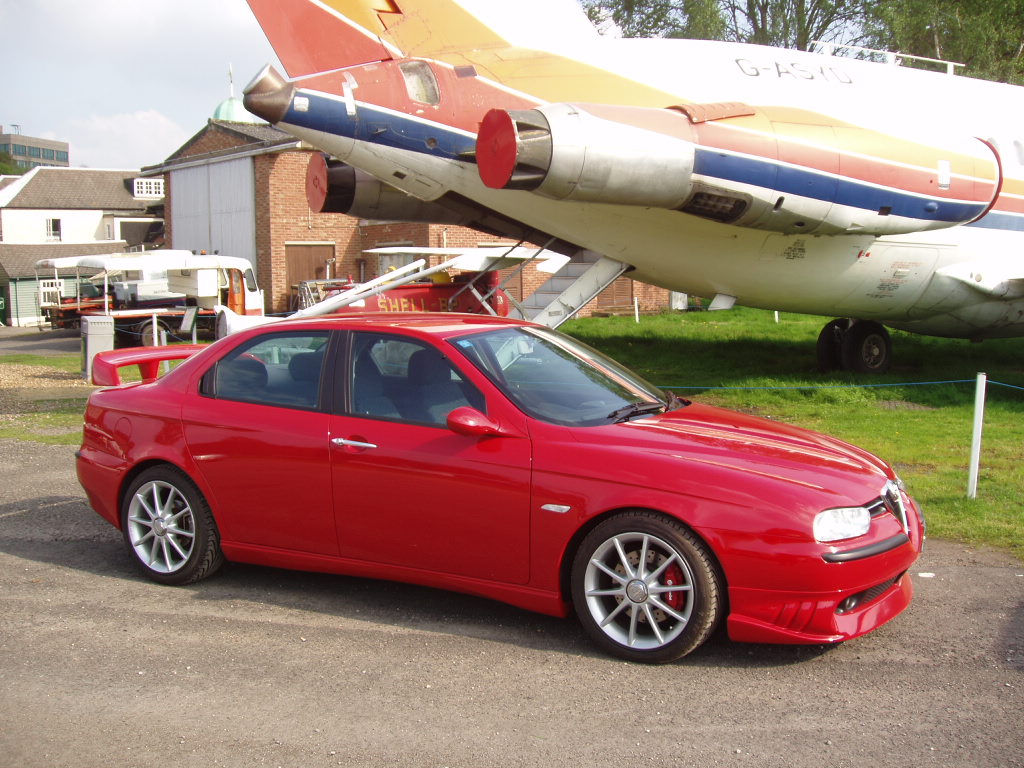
x=438, y=324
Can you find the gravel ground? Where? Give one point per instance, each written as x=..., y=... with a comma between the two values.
x=33, y=388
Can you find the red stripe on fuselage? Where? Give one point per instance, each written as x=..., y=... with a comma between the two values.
x=463, y=100
x=831, y=160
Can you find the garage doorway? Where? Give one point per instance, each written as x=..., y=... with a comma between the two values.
x=306, y=261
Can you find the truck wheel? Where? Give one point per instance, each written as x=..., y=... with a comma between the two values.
x=145, y=331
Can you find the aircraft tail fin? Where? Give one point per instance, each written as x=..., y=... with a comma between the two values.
x=312, y=36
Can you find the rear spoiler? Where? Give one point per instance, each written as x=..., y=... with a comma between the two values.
x=106, y=366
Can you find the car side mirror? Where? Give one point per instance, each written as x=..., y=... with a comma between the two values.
x=472, y=423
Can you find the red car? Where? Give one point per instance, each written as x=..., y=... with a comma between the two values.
x=503, y=459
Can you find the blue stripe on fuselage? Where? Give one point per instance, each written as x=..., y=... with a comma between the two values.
x=787, y=179
x=379, y=126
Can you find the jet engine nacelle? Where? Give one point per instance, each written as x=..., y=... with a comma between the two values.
x=334, y=187
x=565, y=152
x=732, y=164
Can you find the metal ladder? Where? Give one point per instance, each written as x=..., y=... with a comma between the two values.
x=569, y=289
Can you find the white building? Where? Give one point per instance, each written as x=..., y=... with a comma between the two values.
x=51, y=212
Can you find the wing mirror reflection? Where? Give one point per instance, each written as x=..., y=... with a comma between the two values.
x=472, y=423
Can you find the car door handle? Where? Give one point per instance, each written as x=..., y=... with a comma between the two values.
x=351, y=443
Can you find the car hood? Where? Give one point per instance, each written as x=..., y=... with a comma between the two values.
x=722, y=442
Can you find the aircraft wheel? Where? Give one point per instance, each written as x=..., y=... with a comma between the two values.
x=830, y=345
x=867, y=347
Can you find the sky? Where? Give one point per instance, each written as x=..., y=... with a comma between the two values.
x=124, y=82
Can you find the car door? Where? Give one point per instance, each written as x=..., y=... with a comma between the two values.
x=411, y=492
x=259, y=434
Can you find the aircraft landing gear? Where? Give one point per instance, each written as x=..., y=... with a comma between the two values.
x=862, y=346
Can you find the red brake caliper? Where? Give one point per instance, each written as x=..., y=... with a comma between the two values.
x=672, y=577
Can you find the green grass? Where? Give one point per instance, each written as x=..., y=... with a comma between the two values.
x=70, y=363
x=742, y=359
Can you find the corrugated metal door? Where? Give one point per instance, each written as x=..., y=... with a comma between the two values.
x=214, y=208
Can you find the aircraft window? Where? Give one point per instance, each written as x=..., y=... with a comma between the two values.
x=1019, y=146
x=420, y=82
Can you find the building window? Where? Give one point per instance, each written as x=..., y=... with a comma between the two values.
x=47, y=154
x=35, y=152
x=62, y=156
x=19, y=149
x=388, y=262
x=149, y=187
x=53, y=230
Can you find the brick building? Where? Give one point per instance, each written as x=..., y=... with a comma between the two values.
x=240, y=189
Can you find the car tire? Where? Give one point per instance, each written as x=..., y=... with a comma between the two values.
x=169, y=529
x=645, y=588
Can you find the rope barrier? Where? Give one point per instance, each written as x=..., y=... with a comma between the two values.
x=839, y=386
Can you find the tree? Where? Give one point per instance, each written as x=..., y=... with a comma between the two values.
x=784, y=23
x=8, y=167
x=793, y=23
x=985, y=35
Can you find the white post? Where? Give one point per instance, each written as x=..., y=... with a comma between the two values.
x=156, y=332
x=979, y=418
x=636, y=309
x=166, y=366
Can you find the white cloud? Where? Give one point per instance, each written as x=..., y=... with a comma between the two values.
x=127, y=140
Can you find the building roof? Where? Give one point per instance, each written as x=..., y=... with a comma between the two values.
x=245, y=138
x=18, y=261
x=74, y=189
x=6, y=181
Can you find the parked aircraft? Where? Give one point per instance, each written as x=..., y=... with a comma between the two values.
x=879, y=194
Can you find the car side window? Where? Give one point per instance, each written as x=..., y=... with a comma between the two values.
x=406, y=380
x=283, y=369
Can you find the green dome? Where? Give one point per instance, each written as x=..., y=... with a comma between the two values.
x=233, y=111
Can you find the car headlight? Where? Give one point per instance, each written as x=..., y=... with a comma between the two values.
x=841, y=523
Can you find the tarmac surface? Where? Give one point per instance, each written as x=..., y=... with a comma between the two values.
x=32, y=341
x=257, y=666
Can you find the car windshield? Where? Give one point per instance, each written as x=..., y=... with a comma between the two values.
x=557, y=379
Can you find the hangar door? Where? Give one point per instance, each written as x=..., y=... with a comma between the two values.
x=214, y=208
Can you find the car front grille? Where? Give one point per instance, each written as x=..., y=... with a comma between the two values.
x=890, y=502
